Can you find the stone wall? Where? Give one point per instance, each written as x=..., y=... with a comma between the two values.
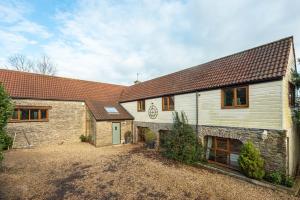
x=155, y=127
x=66, y=123
x=104, y=131
x=273, y=148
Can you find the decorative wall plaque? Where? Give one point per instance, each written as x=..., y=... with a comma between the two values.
x=152, y=112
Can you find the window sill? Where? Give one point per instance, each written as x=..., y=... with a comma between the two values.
x=235, y=107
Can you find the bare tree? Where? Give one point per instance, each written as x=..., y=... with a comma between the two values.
x=42, y=66
x=45, y=66
x=21, y=63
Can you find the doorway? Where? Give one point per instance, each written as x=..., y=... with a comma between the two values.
x=116, y=133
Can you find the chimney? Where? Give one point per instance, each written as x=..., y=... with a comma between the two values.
x=136, y=82
x=137, y=79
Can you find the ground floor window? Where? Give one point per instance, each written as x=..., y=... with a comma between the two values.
x=30, y=113
x=224, y=151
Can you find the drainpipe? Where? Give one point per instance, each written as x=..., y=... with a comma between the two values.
x=197, y=117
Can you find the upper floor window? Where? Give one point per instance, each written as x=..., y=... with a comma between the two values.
x=168, y=103
x=292, y=95
x=141, y=105
x=235, y=97
x=27, y=114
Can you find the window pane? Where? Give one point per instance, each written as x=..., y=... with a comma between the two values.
x=24, y=114
x=34, y=114
x=143, y=104
x=222, y=143
x=228, y=97
x=171, y=103
x=211, y=155
x=222, y=157
x=15, y=114
x=234, y=160
x=43, y=114
x=165, y=103
x=241, y=94
x=111, y=110
x=235, y=146
x=292, y=94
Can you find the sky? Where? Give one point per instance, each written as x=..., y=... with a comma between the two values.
x=112, y=41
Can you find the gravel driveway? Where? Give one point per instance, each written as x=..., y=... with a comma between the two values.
x=81, y=171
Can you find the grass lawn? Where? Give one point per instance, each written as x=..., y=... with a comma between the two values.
x=81, y=171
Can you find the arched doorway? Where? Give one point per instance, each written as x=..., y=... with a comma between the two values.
x=141, y=133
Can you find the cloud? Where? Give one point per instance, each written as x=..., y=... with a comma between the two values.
x=11, y=12
x=111, y=41
x=25, y=26
x=17, y=32
x=116, y=41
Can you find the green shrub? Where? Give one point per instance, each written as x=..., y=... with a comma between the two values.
x=83, y=138
x=278, y=177
x=288, y=181
x=181, y=143
x=1, y=158
x=128, y=137
x=6, y=108
x=150, y=138
x=251, y=162
x=5, y=141
x=274, y=177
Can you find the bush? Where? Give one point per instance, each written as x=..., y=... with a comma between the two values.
x=288, y=181
x=83, y=138
x=128, y=137
x=150, y=138
x=6, y=108
x=5, y=141
x=280, y=178
x=1, y=158
x=274, y=177
x=251, y=162
x=181, y=143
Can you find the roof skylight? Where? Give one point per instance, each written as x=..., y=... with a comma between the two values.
x=111, y=110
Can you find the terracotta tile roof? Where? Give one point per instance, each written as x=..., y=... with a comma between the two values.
x=36, y=86
x=99, y=112
x=263, y=63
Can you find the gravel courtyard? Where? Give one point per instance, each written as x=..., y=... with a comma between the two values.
x=81, y=171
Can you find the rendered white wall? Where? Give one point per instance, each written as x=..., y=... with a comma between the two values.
x=185, y=102
x=265, y=108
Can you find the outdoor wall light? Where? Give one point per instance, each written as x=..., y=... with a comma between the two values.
x=264, y=135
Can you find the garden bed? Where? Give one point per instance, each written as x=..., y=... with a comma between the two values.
x=293, y=190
